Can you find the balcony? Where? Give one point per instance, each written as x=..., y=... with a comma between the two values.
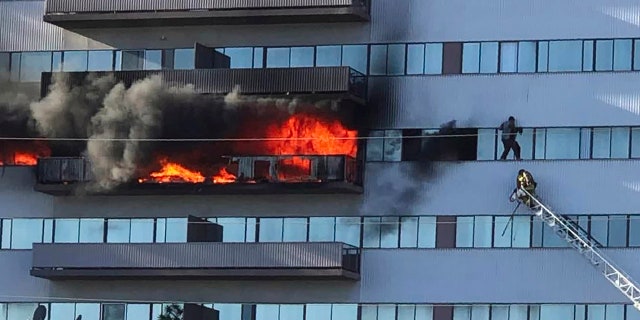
x=125, y=13
x=229, y=261
x=62, y=176
x=340, y=82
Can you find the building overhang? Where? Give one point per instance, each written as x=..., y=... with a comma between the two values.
x=123, y=13
x=228, y=261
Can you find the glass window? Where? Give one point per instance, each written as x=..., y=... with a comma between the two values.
x=601, y=138
x=521, y=232
x=489, y=57
x=233, y=229
x=499, y=312
x=138, y=311
x=386, y=312
x=424, y=312
x=596, y=312
x=396, y=59
x=142, y=230
x=604, y=55
x=278, y=57
x=461, y=313
x=15, y=66
x=508, y=57
x=132, y=60
x=348, y=230
x=355, y=56
x=302, y=57
x=620, y=142
x=502, y=240
x=480, y=313
x=615, y=312
x=378, y=61
x=415, y=59
x=470, y=58
x=184, y=59
x=33, y=64
x=74, y=61
x=632, y=313
x=585, y=143
x=520, y=312
x=565, y=55
x=267, y=311
x=258, y=57
x=406, y=312
x=88, y=311
x=228, y=311
x=464, y=232
x=486, y=144
x=371, y=237
x=6, y=234
x=369, y=312
x=587, y=55
x=389, y=228
x=556, y=312
x=161, y=230
x=635, y=142
x=433, y=58
x=25, y=233
x=328, y=56
x=526, y=144
x=393, y=145
x=636, y=55
x=291, y=312
x=375, y=145
x=176, y=230
x=118, y=230
x=408, y=232
x=344, y=311
x=618, y=231
x=537, y=228
x=563, y=143
x=622, y=49
x=482, y=232
x=295, y=230
x=100, y=60
x=270, y=229
x=240, y=57
x=21, y=310
x=62, y=311
x=321, y=229
x=153, y=60
x=113, y=311
x=56, y=62
x=527, y=56
x=541, y=141
x=634, y=231
x=318, y=312
x=47, y=236
x=5, y=63
x=581, y=312
x=252, y=224
x=599, y=228
x=66, y=230
x=427, y=232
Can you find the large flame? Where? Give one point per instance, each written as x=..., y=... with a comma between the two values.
x=25, y=159
x=172, y=172
x=224, y=177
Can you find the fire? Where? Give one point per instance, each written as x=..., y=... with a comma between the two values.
x=224, y=177
x=173, y=172
x=25, y=159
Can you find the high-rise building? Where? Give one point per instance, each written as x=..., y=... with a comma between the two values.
x=314, y=159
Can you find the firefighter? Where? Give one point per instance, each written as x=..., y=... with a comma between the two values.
x=525, y=181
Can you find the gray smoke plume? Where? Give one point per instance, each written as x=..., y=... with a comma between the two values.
x=14, y=107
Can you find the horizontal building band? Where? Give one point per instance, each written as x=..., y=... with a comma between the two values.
x=195, y=260
x=120, y=13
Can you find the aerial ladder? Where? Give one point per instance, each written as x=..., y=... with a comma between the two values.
x=588, y=247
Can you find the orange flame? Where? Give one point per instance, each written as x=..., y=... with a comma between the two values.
x=224, y=177
x=173, y=172
x=25, y=159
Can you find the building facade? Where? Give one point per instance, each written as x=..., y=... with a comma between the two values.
x=427, y=236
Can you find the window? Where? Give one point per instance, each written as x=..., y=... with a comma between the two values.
x=543, y=56
x=461, y=313
x=88, y=311
x=502, y=240
x=176, y=230
x=267, y=311
x=74, y=61
x=622, y=49
x=56, y=61
x=562, y=143
x=302, y=57
x=409, y=232
x=295, y=230
x=378, y=62
x=344, y=311
x=527, y=56
x=596, y=312
x=636, y=55
x=33, y=64
x=499, y=312
x=471, y=58
x=142, y=231
x=415, y=59
x=118, y=230
x=5, y=242
x=396, y=59
x=138, y=311
x=227, y=311
x=634, y=231
x=355, y=56
x=321, y=229
x=318, y=312
x=482, y=231
x=371, y=236
x=240, y=57
x=599, y=227
x=375, y=145
x=464, y=232
x=291, y=312
x=565, y=56
x=617, y=231
x=393, y=145
x=60, y=311
x=100, y=60
x=184, y=59
x=26, y=232
x=5, y=64
x=278, y=57
x=486, y=144
x=328, y=56
x=489, y=57
x=153, y=60
x=91, y=230
x=604, y=55
x=348, y=230
x=233, y=229
x=601, y=143
x=433, y=58
x=521, y=232
x=131, y=60
x=556, y=312
x=66, y=230
x=509, y=57
x=21, y=310
x=480, y=313
x=427, y=232
x=620, y=137
x=113, y=312
x=587, y=55
x=270, y=229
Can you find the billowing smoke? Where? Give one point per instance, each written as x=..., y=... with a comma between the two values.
x=14, y=108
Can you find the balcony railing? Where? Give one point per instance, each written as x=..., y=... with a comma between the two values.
x=196, y=260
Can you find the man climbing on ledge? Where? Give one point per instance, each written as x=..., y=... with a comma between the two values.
x=525, y=181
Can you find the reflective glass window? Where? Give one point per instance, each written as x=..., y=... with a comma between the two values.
x=371, y=236
x=294, y=230
x=520, y=312
x=618, y=231
x=580, y=311
x=387, y=312
x=615, y=312
x=355, y=56
x=118, y=230
x=471, y=58
x=318, y=312
x=587, y=55
x=321, y=229
x=480, y=312
x=424, y=312
x=508, y=57
x=270, y=229
x=5, y=64
x=74, y=61
x=67, y=230
x=563, y=143
x=20, y=311
x=526, y=144
x=433, y=58
x=15, y=66
x=138, y=311
x=369, y=312
x=464, y=232
x=240, y=57
x=278, y=57
x=88, y=311
x=252, y=224
x=601, y=146
x=565, y=55
x=635, y=142
x=427, y=232
x=556, y=312
x=328, y=56
x=153, y=60
x=267, y=311
x=406, y=312
x=184, y=59
x=585, y=145
x=482, y=231
x=25, y=233
x=348, y=230
x=634, y=231
x=486, y=144
x=502, y=240
x=393, y=145
x=6, y=234
x=551, y=240
x=176, y=230
x=521, y=232
x=113, y=311
x=499, y=312
x=344, y=311
x=396, y=59
x=302, y=57
x=415, y=59
x=541, y=142
x=389, y=228
x=378, y=61
x=636, y=55
x=228, y=311
x=375, y=145
x=258, y=57
x=622, y=49
x=33, y=64
x=596, y=312
x=132, y=59
x=537, y=228
x=47, y=232
x=161, y=230
x=604, y=55
x=233, y=229
x=56, y=61
x=620, y=137
x=62, y=311
x=489, y=57
x=632, y=313
x=408, y=232
x=599, y=226
x=291, y=312
x=100, y=60
x=527, y=56
x=461, y=313
x=142, y=231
